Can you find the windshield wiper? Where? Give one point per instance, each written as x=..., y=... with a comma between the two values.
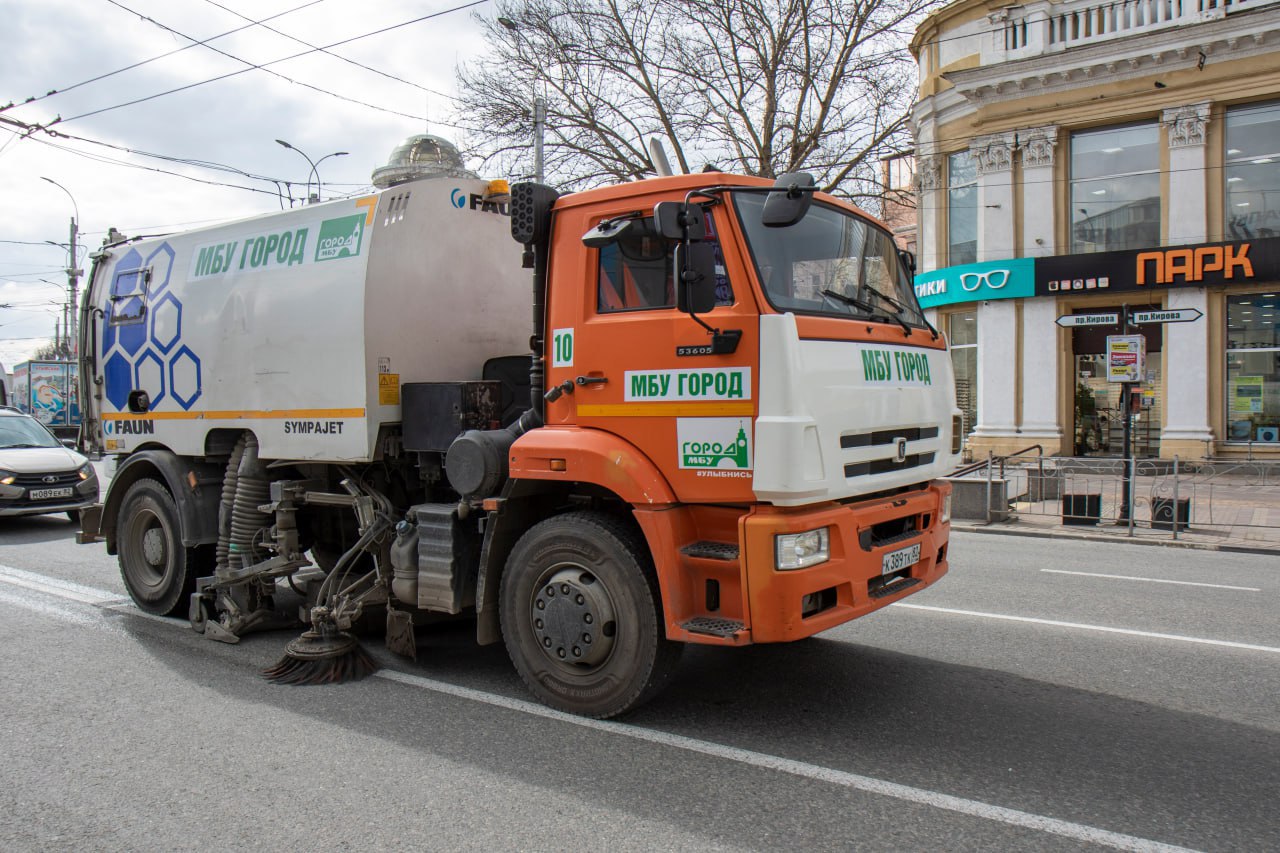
x=13, y=446
x=896, y=304
x=869, y=308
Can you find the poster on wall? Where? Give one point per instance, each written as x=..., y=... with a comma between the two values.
x=1246, y=395
x=49, y=401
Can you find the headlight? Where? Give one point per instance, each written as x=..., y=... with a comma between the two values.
x=801, y=550
x=946, y=508
x=86, y=471
x=7, y=478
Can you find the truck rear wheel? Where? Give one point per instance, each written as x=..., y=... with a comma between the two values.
x=582, y=616
x=159, y=573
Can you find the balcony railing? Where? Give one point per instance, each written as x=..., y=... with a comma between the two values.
x=1043, y=27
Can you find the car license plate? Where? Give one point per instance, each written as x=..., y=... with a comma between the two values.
x=900, y=559
x=49, y=494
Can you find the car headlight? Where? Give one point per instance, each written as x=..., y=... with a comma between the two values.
x=946, y=508
x=7, y=478
x=86, y=471
x=801, y=550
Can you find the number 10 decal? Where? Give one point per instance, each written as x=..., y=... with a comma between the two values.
x=562, y=348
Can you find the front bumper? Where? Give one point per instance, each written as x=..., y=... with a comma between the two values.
x=14, y=500
x=791, y=605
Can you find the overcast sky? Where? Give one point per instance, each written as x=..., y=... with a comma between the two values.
x=56, y=44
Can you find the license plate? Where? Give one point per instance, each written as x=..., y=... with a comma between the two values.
x=900, y=559
x=49, y=494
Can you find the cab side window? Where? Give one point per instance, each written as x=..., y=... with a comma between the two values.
x=635, y=272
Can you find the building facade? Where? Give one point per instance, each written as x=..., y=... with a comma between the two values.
x=1084, y=163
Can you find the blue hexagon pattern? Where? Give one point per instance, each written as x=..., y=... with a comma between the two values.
x=150, y=354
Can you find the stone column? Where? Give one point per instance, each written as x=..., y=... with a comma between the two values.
x=996, y=429
x=930, y=198
x=1186, y=432
x=1040, y=375
x=1038, y=146
x=994, y=157
x=1188, y=178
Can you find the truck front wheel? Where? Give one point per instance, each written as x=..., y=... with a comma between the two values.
x=158, y=571
x=582, y=616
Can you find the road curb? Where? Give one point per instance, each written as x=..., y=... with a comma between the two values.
x=998, y=530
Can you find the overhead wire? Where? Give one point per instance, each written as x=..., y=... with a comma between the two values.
x=264, y=65
x=253, y=66
x=328, y=52
x=64, y=89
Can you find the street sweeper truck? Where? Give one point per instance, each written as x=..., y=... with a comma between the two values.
x=730, y=430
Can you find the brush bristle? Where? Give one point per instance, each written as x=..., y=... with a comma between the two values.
x=351, y=665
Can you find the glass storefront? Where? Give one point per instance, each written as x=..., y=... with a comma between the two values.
x=1253, y=368
x=1115, y=189
x=1253, y=171
x=1098, y=416
x=962, y=334
x=962, y=209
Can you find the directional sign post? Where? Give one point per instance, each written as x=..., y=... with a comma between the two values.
x=1070, y=321
x=1172, y=315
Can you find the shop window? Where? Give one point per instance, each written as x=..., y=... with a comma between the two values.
x=962, y=334
x=1115, y=189
x=1253, y=171
x=1253, y=368
x=962, y=209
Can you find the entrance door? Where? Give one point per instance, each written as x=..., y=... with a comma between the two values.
x=1098, y=427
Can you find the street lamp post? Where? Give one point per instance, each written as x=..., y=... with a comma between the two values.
x=539, y=114
x=73, y=274
x=315, y=170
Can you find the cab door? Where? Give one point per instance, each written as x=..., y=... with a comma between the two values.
x=642, y=370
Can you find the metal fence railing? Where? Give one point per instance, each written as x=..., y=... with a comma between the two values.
x=1223, y=498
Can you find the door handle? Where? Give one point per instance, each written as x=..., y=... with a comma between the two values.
x=592, y=380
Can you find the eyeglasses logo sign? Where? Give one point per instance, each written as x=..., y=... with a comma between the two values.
x=994, y=279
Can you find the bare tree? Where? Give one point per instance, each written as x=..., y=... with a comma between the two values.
x=760, y=87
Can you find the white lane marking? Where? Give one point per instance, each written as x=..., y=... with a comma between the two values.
x=1150, y=580
x=29, y=602
x=1229, y=644
x=868, y=784
x=55, y=586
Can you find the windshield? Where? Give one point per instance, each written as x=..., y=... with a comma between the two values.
x=22, y=431
x=830, y=262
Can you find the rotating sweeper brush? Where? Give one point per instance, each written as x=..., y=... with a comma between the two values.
x=322, y=655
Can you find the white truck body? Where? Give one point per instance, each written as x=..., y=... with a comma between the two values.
x=304, y=322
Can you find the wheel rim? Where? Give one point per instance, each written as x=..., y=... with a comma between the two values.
x=573, y=618
x=149, y=562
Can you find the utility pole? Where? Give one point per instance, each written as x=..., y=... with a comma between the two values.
x=539, y=134
x=73, y=274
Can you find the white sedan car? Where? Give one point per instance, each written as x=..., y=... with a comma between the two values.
x=37, y=473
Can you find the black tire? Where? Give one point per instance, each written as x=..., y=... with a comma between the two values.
x=74, y=515
x=602, y=648
x=159, y=573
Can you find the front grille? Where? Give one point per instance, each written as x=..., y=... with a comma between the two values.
x=886, y=436
x=37, y=481
x=884, y=466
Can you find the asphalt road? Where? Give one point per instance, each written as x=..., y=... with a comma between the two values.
x=1046, y=695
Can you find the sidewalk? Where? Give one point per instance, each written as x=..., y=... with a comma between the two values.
x=1244, y=517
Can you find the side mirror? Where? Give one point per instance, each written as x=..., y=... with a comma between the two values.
x=790, y=200
x=908, y=258
x=695, y=274
x=608, y=231
x=672, y=218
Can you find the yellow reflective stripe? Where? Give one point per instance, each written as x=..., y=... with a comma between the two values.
x=666, y=410
x=234, y=415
